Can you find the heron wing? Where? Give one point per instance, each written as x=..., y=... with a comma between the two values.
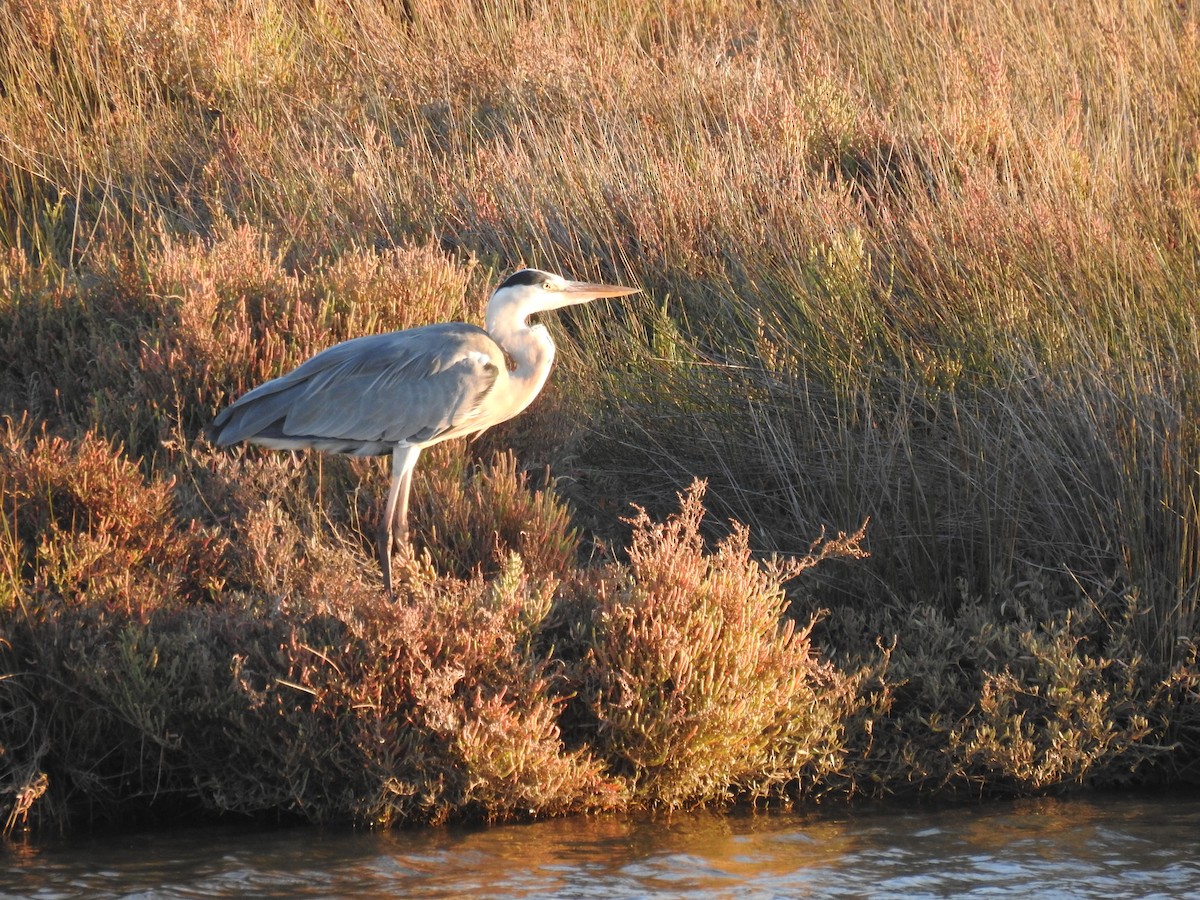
x=406, y=386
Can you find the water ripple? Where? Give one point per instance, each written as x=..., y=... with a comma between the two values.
x=1110, y=846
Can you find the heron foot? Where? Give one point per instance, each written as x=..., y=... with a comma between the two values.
x=392, y=542
x=383, y=547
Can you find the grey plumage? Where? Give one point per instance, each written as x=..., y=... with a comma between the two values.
x=364, y=396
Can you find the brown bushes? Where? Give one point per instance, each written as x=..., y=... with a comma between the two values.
x=699, y=685
x=993, y=699
x=83, y=527
x=478, y=518
x=331, y=703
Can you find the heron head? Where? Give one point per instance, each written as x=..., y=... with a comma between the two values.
x=532, y=290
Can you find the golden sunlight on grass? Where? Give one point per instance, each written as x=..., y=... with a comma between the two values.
x=930, y=265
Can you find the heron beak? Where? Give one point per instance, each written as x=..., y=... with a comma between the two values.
x=583, y=291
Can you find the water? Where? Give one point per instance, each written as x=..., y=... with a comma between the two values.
x=1098, y=846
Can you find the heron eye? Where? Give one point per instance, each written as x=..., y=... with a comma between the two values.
x=547, y=286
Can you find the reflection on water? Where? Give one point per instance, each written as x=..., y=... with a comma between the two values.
x=1098, y=846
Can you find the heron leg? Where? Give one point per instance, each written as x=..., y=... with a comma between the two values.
x=400, y=517
x=404, y=459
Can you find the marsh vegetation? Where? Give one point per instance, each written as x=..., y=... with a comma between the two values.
x=931, y=268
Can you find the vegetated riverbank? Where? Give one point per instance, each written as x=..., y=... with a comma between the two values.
x=933, y=268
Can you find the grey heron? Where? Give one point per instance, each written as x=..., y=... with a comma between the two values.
x=403, y=391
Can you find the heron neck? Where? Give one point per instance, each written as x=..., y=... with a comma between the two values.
x=532, y=352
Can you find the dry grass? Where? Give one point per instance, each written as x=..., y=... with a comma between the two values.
x=931, y=264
